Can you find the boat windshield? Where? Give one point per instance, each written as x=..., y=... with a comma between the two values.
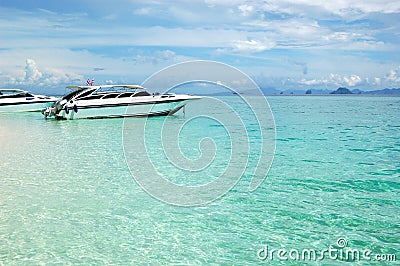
x=14, y=94
x=71, y=94
x=119, y=89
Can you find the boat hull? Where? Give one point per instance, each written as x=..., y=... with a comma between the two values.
x=24, y=107
x=158, y=108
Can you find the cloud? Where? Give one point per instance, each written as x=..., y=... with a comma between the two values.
x=322, y=8
x=32, y=73
x=391, y=79
x=377, y=81
x=55, y=68
x=252, y=46
x=142, y=11
x=159, y=56
x=352, y=80
x=246, y=10
x=312, y=82
x=48, y=77
x=393, y=76
x=294, y=32
x=336, y=79
x=345, y=80
x=218, y=24
x=306, y=33
x=357, y=39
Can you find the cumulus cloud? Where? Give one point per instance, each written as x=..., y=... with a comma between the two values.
x=50, y=76
x=32, y=73
x=345, y=80
x=352, y=80
x=391, y=79
x=336, y=79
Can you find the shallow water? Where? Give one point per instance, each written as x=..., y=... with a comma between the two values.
x=67, y=195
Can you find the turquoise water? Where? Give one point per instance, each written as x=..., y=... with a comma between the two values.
x=68, y=197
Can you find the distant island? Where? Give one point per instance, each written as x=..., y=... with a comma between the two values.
x=384, y=92
x=338, y=91
x=342, y=90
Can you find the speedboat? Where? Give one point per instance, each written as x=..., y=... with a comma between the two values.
x=14, y=100
x=109, y=101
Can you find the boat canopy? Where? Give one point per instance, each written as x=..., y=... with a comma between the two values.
x=134, y=87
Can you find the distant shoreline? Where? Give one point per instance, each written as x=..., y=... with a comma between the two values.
x=306, y=95
x=337, y=95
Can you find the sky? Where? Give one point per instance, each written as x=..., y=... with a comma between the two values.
x=281, y=44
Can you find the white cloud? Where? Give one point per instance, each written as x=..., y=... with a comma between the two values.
x=305, y=36
x=352, y=80
x=336, y=79
x=200, y=26
x=32, y=73
x=377, y=81
x=246, y=10
x=160, y=56
x=121, y=36
x=313, y=82
x=304, y=33
x=345, y=80
x=252, y=46
x=55, y=68
x=394, y=75
x=339, y=7
x=391, y=79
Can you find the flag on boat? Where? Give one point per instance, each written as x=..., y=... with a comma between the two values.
x=90, y=82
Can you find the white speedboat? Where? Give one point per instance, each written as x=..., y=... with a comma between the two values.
x=109, y=101
x=13, y=100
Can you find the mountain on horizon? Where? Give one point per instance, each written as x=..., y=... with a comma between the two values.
x=384, y=92
x=340, y=90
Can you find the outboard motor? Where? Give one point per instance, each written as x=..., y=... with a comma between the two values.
x=54, y=109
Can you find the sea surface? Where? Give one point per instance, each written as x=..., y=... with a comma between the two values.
x=67, y=195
